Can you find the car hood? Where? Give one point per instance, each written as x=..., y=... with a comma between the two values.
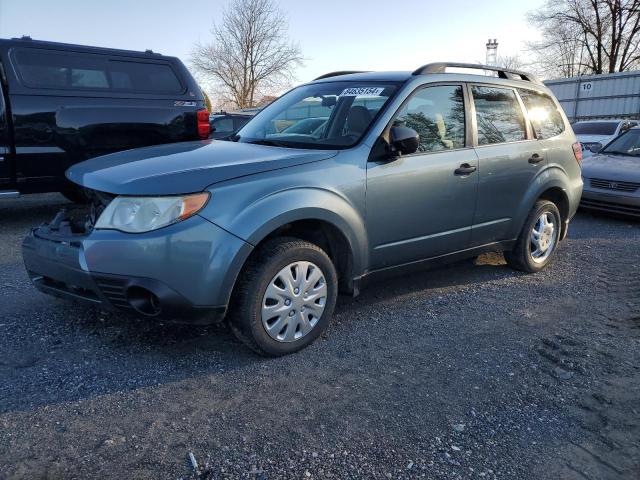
x=184, y=167
x=612, y=167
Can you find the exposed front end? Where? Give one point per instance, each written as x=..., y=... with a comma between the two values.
x=179, y=272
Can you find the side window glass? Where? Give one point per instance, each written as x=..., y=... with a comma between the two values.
x=498, y=115
x=40, y=68
x=545, y=117
x=437, y=114
x=224, y=125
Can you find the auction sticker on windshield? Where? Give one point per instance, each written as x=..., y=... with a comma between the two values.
x=362, y=91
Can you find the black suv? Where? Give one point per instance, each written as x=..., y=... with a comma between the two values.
x=61, y=104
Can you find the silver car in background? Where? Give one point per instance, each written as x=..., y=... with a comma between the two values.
x=612, y=176
x=595, y=134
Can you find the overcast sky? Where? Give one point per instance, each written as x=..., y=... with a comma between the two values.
x=333, y=35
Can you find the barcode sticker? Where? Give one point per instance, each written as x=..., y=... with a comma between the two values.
x=362, y=92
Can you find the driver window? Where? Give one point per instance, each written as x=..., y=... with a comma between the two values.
x=437, y=114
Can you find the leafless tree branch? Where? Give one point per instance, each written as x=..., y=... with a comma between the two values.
x=250, y=53
x=587, y=36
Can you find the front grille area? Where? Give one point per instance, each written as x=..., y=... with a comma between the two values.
x=64, y=288
x=615, y=185
x=612, y=207
x=114, y=290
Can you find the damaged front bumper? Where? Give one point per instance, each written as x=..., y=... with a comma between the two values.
x=178, y=273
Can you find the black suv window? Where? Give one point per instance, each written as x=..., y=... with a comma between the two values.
x=144, y=77
x=498, y=115
x=543, y=114
x=437, y=114
x=50, y=69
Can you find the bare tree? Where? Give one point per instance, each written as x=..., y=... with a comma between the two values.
x=511, y=62
x=250, y=53
x=587, y=36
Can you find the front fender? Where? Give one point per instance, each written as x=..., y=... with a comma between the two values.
x=255, y=221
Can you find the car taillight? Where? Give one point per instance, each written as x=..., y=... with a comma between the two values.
x=203, y=124
x=577, y=152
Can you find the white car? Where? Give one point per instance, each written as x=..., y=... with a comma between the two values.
x=597, y=133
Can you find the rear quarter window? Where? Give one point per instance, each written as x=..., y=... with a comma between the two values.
x=544, y=116
x=40, y=68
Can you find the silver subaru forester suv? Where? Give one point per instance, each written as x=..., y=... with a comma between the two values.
x=401, y=170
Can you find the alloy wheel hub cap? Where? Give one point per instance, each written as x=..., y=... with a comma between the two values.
x=543, y=237
x=294, y=301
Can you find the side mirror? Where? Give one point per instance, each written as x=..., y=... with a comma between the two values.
x=404, y=140
x=595, y=148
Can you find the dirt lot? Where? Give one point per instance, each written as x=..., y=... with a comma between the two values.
x=473, y=371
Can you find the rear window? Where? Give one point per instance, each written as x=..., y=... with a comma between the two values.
x=56, y=70
x=223, y=125
x=595, y=128
x=543, y=114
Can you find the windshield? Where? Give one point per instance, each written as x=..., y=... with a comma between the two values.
x=332, y=115
x=626, y=144
x=595, y=128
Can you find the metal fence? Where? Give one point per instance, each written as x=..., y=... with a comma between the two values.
x=614, y=95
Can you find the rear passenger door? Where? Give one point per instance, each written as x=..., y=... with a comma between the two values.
x=509, y=159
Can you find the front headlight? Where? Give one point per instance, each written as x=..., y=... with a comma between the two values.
x=143, y=214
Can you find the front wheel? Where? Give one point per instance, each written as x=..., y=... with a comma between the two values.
x=284, y=297
x=538, y=239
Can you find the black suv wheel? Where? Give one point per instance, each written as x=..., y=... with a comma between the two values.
x=284, y=297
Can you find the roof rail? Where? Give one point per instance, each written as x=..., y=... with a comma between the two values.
x=337, y=74
x=508, y=73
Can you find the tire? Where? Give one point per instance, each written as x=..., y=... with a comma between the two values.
x=523, y=256
x=74, y=193
x=277, y=260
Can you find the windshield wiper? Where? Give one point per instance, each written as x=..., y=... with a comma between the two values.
x=264, y=141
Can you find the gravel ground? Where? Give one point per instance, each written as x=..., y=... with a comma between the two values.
x=472, y=371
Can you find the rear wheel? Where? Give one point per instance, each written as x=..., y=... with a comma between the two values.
x=538, y=239
x=284, y=297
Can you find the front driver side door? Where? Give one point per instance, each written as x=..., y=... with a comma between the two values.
x=422, y=205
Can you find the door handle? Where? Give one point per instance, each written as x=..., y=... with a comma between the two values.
x=535, y=159
x=465, y=169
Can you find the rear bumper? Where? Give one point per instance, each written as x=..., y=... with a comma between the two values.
x=181, y=282
x=612, y=203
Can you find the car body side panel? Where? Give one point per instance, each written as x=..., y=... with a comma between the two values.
x=331, y=190
x=418, y=208
x=553, y=177
x=52, y=133
x=505, y=174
